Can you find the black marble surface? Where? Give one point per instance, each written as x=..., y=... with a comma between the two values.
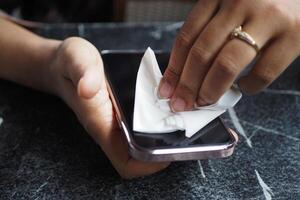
x=46, y=154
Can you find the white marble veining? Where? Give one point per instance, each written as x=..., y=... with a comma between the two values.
x=42, y=186
x=268, y=130
x=285, y=92
x=201, y=169
x=238, y=126
x=266, y=189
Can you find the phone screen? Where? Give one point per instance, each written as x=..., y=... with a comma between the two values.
x=121, y=71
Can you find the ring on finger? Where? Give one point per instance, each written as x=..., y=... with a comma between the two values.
x=238, y=33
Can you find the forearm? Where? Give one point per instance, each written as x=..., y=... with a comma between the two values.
x=24, y=56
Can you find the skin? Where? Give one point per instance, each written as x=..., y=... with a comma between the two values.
x=205, y=62
x=203, y=65
x=73, y=70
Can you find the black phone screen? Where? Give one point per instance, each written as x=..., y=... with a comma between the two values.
x=121, y=71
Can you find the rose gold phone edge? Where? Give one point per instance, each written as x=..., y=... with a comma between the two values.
x=171, y=154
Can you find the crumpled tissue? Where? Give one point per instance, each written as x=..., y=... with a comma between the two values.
x=153, y=115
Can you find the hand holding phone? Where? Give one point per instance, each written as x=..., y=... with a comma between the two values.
x=213, y=141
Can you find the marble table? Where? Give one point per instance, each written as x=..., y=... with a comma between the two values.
x=46, y=154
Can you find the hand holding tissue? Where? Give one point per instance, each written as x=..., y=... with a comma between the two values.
x=153, y=115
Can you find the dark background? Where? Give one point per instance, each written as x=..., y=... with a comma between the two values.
x=61, y=11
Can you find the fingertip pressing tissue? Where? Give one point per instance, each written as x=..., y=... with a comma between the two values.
x=153, y=115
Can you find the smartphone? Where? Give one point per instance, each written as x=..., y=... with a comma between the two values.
x=213, y=141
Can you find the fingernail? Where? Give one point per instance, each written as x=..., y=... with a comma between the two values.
x=165, y=90
x=178, y=105
x=201, y=102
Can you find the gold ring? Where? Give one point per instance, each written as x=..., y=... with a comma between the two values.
x=244, y=36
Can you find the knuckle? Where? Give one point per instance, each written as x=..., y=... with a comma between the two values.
x=186, y=89
x=184, y=39
x=292, y=35
x=200, y=54
x=227, y=66
x=248, y=89
x=265, y=77
x=274, y=8
x=187, y=92
x=279, y=13
x=206, y=97
x=171, y=75
x=172, y=72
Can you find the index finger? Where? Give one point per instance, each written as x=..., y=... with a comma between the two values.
x=195, y=23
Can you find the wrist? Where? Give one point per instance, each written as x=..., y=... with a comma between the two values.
x=47, y=59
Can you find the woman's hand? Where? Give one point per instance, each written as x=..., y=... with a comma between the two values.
x=73, y=70
x=205, y=62
x=77, y=74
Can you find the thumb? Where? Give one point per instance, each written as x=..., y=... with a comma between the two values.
x=90, y=82
x=83, y=66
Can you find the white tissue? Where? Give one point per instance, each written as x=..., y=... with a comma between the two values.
x=153, y=115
